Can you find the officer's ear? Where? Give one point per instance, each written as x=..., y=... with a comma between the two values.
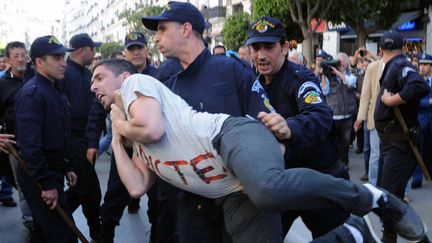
x=285, y=48
x=187, y=29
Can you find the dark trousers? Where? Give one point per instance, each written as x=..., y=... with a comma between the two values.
x=340, y=234
x=47, y=224
x=86, y=192
x=117, y=198
x=343, y=132
x=397, y=165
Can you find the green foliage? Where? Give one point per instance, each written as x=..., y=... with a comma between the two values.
x=109, y=47
x=235, y=30
x=133, y=17
x=278, y=9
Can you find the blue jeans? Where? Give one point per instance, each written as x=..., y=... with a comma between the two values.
x=5, y=189
x=253, y=155
x=374, y=156
x=366, y=146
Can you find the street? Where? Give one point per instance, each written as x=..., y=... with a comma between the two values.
x=135, y=227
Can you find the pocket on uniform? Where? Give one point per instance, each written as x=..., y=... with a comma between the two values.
x=219, y=95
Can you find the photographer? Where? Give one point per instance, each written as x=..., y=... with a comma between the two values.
x=339, y=88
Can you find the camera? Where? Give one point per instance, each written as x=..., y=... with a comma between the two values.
x=326, y=66
x=362, y=53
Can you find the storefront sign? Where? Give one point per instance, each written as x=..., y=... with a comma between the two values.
x=337, y=26
x=410, y=25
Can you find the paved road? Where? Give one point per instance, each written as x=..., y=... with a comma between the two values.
x=134, y=228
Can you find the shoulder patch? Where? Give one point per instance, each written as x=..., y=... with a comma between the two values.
x=312, y=97
x=308, y=86
x=407, y=70
x=256, y=87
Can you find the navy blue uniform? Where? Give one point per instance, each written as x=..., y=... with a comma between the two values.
x=397, y=160
x=295, y=94
x=215, y=84
x=87, y=191
x=43, y=128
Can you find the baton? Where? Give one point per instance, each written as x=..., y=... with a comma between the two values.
x=58, y=208
x=411, y=143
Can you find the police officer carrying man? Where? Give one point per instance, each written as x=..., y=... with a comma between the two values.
x=76, y=85
x=116, y=197
x=43, y=129
x=402, y=87
x=216, y=84
x=302, y=121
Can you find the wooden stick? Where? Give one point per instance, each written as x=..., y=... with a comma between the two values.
x=58, y=208
x=411, y=143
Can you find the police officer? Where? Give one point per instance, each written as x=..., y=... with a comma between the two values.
x=76, y=84
x=43, y=128
x=302, y=121
x=425, y=120
x=117, y=197
x=402, y=87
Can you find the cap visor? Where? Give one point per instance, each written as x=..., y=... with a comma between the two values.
x=60, y=50
x=134, y=43
x=263, y=39
x=151, y=22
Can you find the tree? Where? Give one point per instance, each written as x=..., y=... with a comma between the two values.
x=107, y=48
x=278, y=9
x=302, y=12
x=235, y=30
x=366, y=16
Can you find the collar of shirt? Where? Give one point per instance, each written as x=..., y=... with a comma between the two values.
x=197, y=63
x=9, y=76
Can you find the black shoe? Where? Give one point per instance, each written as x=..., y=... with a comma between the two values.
x=365, y=177
x=416, y=184
x=360, y=224
x=8, y=202
x=400, y=217
x=359, y=151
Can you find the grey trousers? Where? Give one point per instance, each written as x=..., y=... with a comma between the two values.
x=253, y=155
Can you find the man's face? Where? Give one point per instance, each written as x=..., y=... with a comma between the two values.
x=244, y=53
x=219, y=51
x=268, y=57
x=104, y=83
x=2, y=63
x=52, y=66
x=415, y=63
x=137, y=55
x=318, y=61
x=18, y=60
x=425, y=69
x=168, y=38
x=88, y=54
x=343, y=63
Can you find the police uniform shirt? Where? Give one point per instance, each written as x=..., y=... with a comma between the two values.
x=295, y=94
x=9, y=87
x=219, y=84
x=42, y=119
x=76, y=85
x=399, y=76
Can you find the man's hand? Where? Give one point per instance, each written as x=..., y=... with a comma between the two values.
x=92, y=155
x=5, y=138
x=50, y=197
x=357, y=125
x=72, y=178
x=276, y=123
x=390, y=99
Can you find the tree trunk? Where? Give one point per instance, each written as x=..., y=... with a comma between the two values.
x=307, y=47
x=361, y=36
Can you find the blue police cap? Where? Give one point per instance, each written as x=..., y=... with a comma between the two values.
x=47, y=45
x=135, y=38
x=83, y=40
x=321, y=53
x=391, y=41
x=177, y=12
x=265, y=30
x=424, y=58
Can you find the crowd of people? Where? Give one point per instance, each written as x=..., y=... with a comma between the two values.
x=220, y=144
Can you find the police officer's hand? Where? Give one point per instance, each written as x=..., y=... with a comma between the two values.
x=72, y=178
x=357, y=125
x=118, y=99
x=50, y=197
x=390, y=99
x=5, y=138
x=276, y=123
x=92, y=155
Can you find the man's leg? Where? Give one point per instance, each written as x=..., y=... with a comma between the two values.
x=251, y=152
x=366, y=151
x=6, y=193
x=374, y=157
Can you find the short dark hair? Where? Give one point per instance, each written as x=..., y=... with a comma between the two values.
x=12, y=45
x=117, y=66
x=115, y=53
x=219, y=46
